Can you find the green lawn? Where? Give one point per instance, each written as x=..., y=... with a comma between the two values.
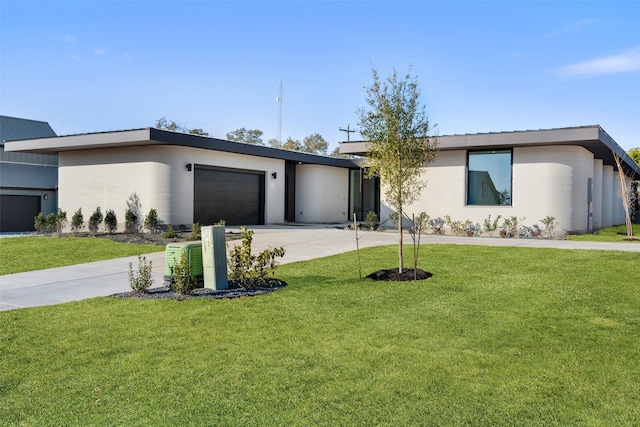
x=610, y=234
x=20, y=254
x=498, y=336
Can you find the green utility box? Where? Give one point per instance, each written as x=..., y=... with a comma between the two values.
x=173, y=254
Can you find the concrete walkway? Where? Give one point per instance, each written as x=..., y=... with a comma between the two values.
x=302, y=242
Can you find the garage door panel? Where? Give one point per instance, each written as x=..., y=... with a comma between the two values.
x=227, y=194
x=17, y=212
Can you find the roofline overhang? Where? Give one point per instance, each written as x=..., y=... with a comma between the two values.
x=153, y=137
x=592, y=138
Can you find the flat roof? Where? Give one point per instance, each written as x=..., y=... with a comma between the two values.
x=592, y=138
x=152, y=136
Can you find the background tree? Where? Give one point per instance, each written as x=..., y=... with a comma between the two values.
x=289, y=144
x=315, y=144
x=396, y=129
x=336, y=153
x=634, y=153
x=172, y=125
x=248, y=136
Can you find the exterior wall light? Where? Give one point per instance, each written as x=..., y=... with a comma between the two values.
x=189, y=167
x=274, y=175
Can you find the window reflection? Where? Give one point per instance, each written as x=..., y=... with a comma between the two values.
x=489, y=178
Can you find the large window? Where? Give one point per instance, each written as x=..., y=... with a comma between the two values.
x=489, y=178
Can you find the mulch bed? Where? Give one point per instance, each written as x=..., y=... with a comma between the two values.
x=234, y=291
x=392, y=275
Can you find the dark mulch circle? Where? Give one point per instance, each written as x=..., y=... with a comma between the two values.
x=234, y=291
x=392, y=275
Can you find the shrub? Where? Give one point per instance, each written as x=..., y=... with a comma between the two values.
x=550, y=224
x=470, y=229
x=457, y=227
x=51, y=223
x=62, y=219
x=251, y=271
x=221, y=222
x=39, y=223
x=372, y=220
x=95, y=220
x=512, y=227
x=151, y=221
x=77, y=221
x=181, y=280
x=110, y=221
x=437, y=226
x=170, y=233
x=195, y=231
x=491, y=226
x=130, y=221
x=143, y=280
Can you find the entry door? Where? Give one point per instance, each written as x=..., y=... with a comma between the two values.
x=17, y=212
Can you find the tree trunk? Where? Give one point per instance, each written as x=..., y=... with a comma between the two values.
x=400, y=257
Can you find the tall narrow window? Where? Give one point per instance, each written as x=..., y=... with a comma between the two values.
x=489, y=178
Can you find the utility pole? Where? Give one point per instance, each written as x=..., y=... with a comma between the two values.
x=348, y=131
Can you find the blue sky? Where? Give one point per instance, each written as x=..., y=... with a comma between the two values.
x=92, y=66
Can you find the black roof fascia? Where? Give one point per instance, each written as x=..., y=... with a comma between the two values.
x=210, y=143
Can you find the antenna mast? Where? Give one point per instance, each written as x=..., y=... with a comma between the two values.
x=348, y=131
x=279, y=100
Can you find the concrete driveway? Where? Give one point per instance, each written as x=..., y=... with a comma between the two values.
x=302, y=242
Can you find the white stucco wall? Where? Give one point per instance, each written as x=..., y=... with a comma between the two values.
x=321, y=194
x=546, y=181
x=607, y=196
x=596, y=204
x=158, y=175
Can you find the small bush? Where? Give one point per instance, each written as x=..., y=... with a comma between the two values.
x=437, y=226
x=181, y=279
x=62, y=220
x=550, y=224
x=39, y=223
x=371, y=220
x=77, y=221
x=130, y=221
x=151, y=221
x=490, y=226
x=95, y=220
x=110, y=221
x=170, y=233
x=195, y=231
x=143, y=280
x=251, y=271
x=221, y=222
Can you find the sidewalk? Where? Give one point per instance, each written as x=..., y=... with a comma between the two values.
x=102, y=278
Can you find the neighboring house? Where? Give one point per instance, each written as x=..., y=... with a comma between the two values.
x=191, y=178
x=567, y=173
x=27, y=181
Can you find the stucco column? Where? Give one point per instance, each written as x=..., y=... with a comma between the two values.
x=607, y=196
x=596, y=205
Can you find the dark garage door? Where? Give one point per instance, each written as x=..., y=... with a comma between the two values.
x=17, y=212
x=236, y=196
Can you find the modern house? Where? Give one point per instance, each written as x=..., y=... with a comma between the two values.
x=566, y=173
x=28, y=182
x=191, y=178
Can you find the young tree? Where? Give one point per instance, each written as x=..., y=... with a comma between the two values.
x=625, y=194
x=248, y=136
x=396, y=128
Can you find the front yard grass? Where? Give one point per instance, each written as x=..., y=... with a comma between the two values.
x=617, y=233
x=498, y=336
x=29, y=253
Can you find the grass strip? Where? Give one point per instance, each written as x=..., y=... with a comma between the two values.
x=30, y=253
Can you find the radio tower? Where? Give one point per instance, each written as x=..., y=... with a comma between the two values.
x=279, y=101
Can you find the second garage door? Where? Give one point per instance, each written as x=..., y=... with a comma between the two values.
x=233, y=195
